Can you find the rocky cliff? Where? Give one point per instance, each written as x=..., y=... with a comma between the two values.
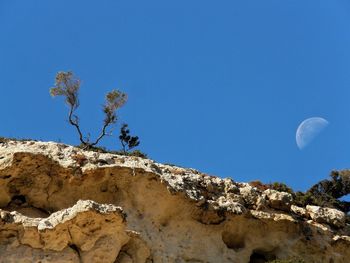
x=59, y=203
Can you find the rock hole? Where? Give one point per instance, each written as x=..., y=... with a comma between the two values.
x=20, y=204
x=11, y=235
x=261, y=256
x=18, y=200
x=103, y=188
x=233, y=241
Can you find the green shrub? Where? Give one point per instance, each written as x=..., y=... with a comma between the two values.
x=327, y=192
x=128, y=142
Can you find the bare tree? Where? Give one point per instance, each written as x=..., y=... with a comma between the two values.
x=67, y=85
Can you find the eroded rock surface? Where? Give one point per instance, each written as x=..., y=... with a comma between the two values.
x=326, y=215
x=279, y=200
x=86, y=230
x=62, y=204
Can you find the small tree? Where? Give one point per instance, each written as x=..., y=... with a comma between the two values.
x=67, y=85
x=128, y=142
x=327, y=192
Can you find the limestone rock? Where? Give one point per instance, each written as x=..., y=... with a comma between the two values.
x=250, y=195
x=299, y=211
x=59, y=203
x=326, y=215
x=230, y=205
x=279, y=200
x=86, y=230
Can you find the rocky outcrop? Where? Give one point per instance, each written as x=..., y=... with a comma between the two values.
x=326, y=215
x=278, y=200
x=87, y=231
x=62, y=204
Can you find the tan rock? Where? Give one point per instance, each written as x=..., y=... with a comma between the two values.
x=95, y=231
x=173, y=214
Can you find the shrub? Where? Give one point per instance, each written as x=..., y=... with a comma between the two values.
x=280, y=187
x=128, y=142
x=327, y=192
x=138, y=153
x=302, y=199
x=275, y=186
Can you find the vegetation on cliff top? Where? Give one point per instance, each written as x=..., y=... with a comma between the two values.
x=326, y=193
x=67, y=85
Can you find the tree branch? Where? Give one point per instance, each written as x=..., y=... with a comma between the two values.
x=102, y=134
x=76, y=125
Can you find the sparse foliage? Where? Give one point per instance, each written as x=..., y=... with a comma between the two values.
x=67, y=85
x=325, y=193
x=328, y=192
x=128, y=142
x=280, y=187
x=275, y=186
x=137, y=153
x=337, y=187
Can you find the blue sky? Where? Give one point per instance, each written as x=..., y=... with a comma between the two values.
x=220, y=86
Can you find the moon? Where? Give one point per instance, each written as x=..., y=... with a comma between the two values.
x=308, y=130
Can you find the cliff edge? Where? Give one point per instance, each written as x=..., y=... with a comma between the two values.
x=59, y=203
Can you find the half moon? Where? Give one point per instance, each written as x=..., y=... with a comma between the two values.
x=308, y=130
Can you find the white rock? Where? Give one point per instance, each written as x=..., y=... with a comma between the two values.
x=326, y=215
x=250, y=195
x=299, y=211
x=279, y=200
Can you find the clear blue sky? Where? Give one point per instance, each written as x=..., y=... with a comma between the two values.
x=220, y=86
